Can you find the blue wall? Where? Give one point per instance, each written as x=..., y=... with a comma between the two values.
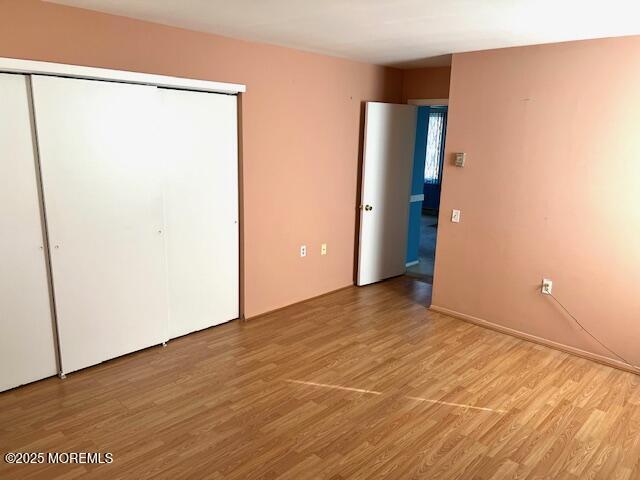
x=432, y=196
x=430, y=191
x=417, y=184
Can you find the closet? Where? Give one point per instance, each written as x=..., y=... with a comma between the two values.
x=135, y=187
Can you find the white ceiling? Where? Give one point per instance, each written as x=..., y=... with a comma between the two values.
x=403, y=33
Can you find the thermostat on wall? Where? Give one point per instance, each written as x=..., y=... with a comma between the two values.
x=460, y=159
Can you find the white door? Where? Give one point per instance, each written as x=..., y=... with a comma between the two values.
x=27, y=349
x=201, y=201
x=386, y=187
x=102, y=180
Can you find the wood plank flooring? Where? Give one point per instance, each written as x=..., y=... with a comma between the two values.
x=362, y=383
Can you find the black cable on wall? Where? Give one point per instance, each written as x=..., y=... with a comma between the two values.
x=620, y=357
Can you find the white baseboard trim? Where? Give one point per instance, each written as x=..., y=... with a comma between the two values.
x=535, y=339
x=411, y=264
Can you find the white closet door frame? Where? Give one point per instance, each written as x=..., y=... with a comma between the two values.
x=27, y=332
x=15, y=65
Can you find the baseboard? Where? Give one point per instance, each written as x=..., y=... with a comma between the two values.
x=269, y=312
x=411, y=264
x=535, y=339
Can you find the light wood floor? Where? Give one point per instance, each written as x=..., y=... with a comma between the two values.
x=362, y=383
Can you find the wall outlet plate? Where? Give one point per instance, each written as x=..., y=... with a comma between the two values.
x=303, y=251
x=547, y=286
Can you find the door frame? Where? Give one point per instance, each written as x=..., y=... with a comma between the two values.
x=433, y=105
x=32, y=67
x=418, y=102
x=429, y=102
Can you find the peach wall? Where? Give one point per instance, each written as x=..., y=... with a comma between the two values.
x=424, y=83
x=301, y=129
x=551, y=189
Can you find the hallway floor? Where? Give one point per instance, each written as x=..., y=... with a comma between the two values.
x=424, y=269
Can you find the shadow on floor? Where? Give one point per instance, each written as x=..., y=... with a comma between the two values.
x=412, y=289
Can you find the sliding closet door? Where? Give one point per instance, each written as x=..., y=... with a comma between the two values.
x=27, y=350
x=101, y=173
x=201, y=208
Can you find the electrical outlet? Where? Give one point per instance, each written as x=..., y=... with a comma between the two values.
x=303, y=251
x=455, y=216
x=323, y=249
x=547, y=286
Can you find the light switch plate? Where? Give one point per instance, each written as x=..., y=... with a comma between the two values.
x=323, y=249
x=455, y=216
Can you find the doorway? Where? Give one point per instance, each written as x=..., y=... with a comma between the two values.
x=431, y=126
x=403, y=152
